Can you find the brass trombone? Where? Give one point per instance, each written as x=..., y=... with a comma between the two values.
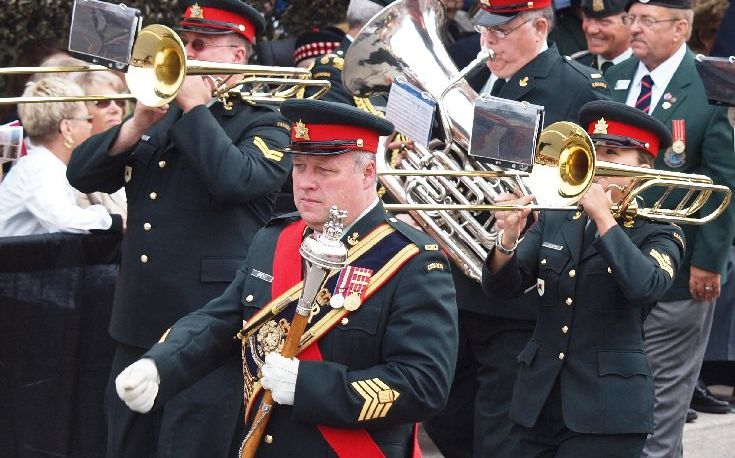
x=565, y=167
x=158, y=66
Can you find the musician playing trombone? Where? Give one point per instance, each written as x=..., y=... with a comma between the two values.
x=584, y=387
x=201, y=180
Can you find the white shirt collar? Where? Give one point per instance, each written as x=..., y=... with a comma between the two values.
x=40, y=150
x=662, y=74
x=626, y=54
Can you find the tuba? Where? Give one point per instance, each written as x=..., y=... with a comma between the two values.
x=405, y=41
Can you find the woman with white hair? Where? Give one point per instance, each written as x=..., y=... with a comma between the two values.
x=35, y=196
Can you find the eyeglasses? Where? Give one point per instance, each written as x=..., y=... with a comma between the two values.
x=197, y=44
x=102, y=104
x=646, y=21
x=500, y=34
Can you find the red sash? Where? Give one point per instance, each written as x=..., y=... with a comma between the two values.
x=352, y=443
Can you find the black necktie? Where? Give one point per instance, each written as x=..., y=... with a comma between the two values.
x=497, y=86
x=605, y=65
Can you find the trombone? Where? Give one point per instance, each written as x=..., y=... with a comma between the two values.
x=158, y=67
x=565, y=167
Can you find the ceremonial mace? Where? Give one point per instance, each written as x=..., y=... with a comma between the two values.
x=323, y=255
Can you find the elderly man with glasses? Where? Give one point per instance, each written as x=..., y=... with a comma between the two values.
x=606, y=32
x=493, y=331
x=201, y=180
x=661, y=80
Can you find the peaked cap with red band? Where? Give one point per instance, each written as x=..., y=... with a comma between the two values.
x=492, y=13
x=617, y=125
x=221, y=16
x=329, y=128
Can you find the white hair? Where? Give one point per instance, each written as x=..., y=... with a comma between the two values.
x=359, y=12
x=362, y=159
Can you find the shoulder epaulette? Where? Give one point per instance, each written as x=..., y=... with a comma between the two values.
x=420, y=238
x=592, y=75
x=580, y=54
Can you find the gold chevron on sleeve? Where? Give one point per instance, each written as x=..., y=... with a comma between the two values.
x=378, y=396
x=271, y=154
x=663, y=261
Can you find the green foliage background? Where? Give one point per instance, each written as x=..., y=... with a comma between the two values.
x=28, y=27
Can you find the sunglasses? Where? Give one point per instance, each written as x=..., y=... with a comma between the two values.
x=102, y=104
x=197, y=44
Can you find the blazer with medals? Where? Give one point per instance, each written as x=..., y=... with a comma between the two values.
x=589, y=331
x=562, y=87
x=709, y=151
x=199, y=186
x=404, y=335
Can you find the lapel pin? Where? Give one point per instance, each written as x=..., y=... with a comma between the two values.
x=523, y=82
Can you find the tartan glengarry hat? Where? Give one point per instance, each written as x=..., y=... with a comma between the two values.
x=317, y=42
x=603, y=8
x=676, y=4
x=492, y=13
x=617, y=125
x=221, y=16
x=329, y=128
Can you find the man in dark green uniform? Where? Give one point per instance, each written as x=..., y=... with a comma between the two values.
x=607, y=35
x=377, y=366
x=201, y=181
x=493, y=331
x=584, y=387
x=329, y=66
x=662, y=80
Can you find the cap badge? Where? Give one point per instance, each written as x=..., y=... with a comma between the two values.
x=598, y=6
x=601, y=127
x=197, y=12
x=486, y=3
x=523, y=82
x=301, y=131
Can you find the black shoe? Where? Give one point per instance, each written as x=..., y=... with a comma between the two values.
x=704, y=401
x=691, y=415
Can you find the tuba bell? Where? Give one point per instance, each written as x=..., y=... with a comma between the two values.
x=404, y=41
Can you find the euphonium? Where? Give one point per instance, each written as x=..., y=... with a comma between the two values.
x=404, y=40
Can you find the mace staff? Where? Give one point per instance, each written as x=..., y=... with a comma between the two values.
x=322, y=255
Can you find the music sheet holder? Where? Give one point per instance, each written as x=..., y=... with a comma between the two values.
x=505, y=132
x=103, y=33
x=718, y=76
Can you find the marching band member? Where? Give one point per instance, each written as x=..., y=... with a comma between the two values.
x=386, y=356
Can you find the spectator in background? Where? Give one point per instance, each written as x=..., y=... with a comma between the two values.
x=35, y=197
x=608, y=38
x=105, y=114
x=707, y=17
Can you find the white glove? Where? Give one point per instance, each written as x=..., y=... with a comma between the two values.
x=137, y=385
x=279, y=376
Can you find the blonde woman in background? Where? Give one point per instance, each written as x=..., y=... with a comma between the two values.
x=35, y=196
